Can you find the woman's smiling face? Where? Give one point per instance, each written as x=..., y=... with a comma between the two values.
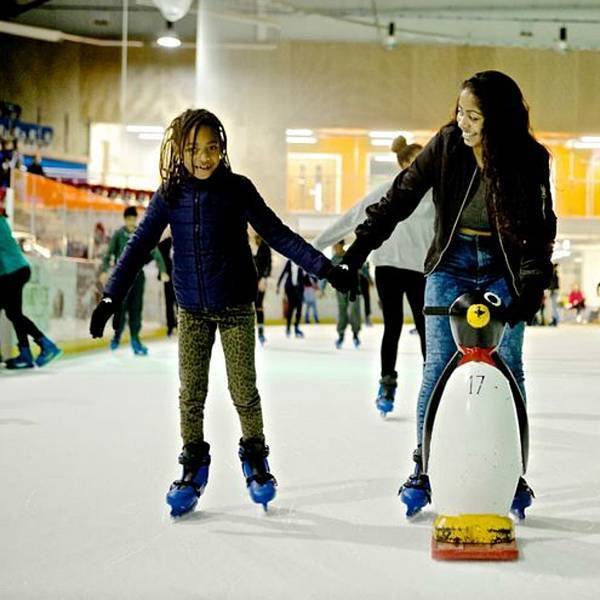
x=470, y=119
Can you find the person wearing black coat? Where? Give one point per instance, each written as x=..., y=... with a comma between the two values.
x=494, y=227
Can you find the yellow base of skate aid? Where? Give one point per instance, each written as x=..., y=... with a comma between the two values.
x=473, y=537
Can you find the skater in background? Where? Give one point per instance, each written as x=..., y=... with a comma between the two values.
x=553, y=291
x=494, y=229
x=577, y=302
x=348, y=309
x=292, y=277
x=132, y=305
x=311, y=287
x=209, y=208
x=15, y=272
x=165, y=247
x=398, y=270
x=262, y=262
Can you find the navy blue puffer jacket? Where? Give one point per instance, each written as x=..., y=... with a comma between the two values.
x=213, y=268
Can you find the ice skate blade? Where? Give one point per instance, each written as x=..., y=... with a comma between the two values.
x=262, y=495
x=448, y=551
x=55, y=356
x=177, y=512
x=518, y=513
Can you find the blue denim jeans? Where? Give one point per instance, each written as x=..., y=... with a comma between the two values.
x=470, y=262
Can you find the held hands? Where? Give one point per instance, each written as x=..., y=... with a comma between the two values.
x=102, y=313
x=344, y=280
x=164, y=277
x=525, y=306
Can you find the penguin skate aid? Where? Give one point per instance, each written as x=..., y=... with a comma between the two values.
x=475, y=439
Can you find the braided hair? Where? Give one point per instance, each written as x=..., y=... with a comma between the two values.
x=171, y=167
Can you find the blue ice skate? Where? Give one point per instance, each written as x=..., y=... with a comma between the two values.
x=261, y=484
x=24, y=360
x=415, y=492
x=385, y=395
x=184, y=493
x=49, y=352
x=356, y=340
x=138, y=348
x=523, y=498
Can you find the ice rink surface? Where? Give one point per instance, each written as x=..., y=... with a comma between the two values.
x=88, y=448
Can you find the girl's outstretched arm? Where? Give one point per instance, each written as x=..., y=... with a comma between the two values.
x=138, y=249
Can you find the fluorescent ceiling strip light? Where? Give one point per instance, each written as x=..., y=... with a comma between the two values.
x=387, y=143
x=385, y=158
x=390, y=134
x=590, y=138
x=586, y=145
x=299, y=132
x=144, y=129
x=302, y=140
x=150, y=136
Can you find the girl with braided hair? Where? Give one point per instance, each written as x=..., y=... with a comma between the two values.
x=209, y=208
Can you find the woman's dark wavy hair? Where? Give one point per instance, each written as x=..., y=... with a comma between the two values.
x=512, y=157
x=171, y=167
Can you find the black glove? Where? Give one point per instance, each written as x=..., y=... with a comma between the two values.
x=344, y=280
x=102, y=313
x=356, y=255
x=526, y=305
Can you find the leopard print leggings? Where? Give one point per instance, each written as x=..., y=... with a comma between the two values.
x=196, y=338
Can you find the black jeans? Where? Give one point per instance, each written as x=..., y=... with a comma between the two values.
x=392, y=284
x=11, y=300
x=294, y=298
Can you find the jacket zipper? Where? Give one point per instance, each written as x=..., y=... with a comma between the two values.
x=512, y=275
x=197, y=249
x=439, y=260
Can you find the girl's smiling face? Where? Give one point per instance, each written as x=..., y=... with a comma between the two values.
x=202, y=156
x=470, y=119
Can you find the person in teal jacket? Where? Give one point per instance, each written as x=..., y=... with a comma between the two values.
x=14, y=274
x=133, y=304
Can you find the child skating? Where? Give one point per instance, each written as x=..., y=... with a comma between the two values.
x=209, y=209
x=132, y=306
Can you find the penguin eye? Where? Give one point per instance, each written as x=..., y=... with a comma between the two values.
x=492, y=298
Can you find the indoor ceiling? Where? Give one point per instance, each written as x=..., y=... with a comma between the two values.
x=256, y=23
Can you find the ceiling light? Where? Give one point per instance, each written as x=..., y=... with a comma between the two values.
x=390, y=40
x=144, y=129
x=385, y=158
x=391, y=134
x=150, y=136
x=301, y=140
x=169, y=37
x=563, y=44
x=300, y=132
x=376, y=142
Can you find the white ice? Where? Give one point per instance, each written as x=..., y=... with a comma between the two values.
x=88, y=448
